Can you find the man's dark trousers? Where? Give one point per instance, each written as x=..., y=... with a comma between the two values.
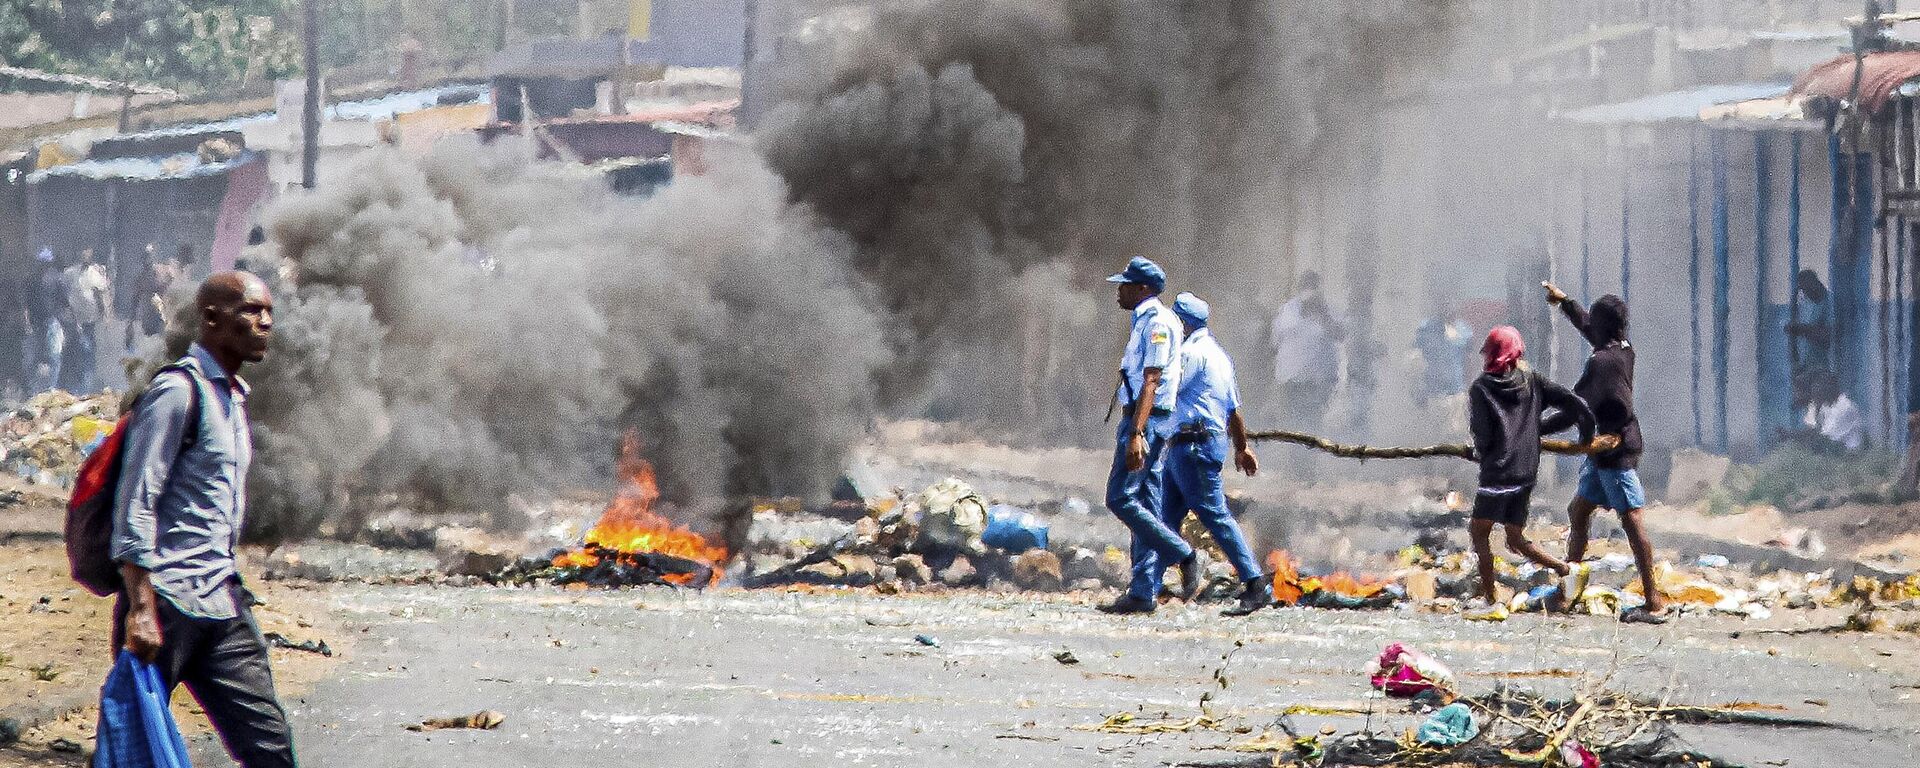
x=223, y=662
x=1135, y=498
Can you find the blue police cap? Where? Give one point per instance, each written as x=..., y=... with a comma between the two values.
x=1191, y=309
x=1143, y=271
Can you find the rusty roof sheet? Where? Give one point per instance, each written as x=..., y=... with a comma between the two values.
x=1882, y=73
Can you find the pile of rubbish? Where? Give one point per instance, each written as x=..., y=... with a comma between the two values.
x=947, y=535
x=46, y=439
x=1711, y=583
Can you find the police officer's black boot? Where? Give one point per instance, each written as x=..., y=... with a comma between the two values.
x=1127, y=604
x=1257, y=595
x=1190, y=577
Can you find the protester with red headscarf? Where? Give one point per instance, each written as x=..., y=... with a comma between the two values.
x=1504, y=409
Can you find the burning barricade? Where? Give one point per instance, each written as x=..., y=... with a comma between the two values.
x=1340, y=589
x=633, y=544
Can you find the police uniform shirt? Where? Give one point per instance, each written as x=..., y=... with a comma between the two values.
x=1154, y=343
x=1208, y=393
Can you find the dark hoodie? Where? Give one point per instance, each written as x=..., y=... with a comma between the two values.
x=1504, y=410
x=1607, y=382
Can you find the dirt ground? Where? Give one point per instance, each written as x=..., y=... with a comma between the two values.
x=53, y=637
x=851, y=681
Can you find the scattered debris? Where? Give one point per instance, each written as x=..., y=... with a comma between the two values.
x=1449, y=726
x=277, y=640
x=1067, y=658
x=959, y=573
x=9, y=731
x=465, y=551
x=1039, y=571
x=66, y=746
x=948, y=517
x=484, y=720
x=1125, y=722
x=46, y=439
x=1404, y=671
x=927, y=640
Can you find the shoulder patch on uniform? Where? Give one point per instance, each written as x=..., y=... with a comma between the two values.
x=1160, y=336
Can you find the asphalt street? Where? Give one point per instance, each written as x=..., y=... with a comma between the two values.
x=772, y=678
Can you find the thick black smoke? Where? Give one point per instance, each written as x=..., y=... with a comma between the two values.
x=949, y=180
x=474, y=326
x=1005, y=154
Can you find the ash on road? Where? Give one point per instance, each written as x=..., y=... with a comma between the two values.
x=768, y=678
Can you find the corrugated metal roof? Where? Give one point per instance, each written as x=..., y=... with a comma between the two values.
x=186, y=165
x=1882, y=73
x=82, y=81
x=1671, y=106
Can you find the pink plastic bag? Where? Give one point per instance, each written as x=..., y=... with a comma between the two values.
x=1403, y=672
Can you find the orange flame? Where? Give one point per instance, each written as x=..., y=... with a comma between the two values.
x=630, y=526
x=1289, y=586
x=1286, y=577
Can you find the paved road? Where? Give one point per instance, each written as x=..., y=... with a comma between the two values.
x=769, y=678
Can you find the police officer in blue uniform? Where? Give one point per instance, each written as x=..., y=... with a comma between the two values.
x=1149, y=384
x=1206, y=415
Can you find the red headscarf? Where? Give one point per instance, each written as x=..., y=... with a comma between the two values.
x=1503, y=349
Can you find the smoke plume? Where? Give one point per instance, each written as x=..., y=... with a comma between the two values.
x=1008, y=153
x=476, y=325
x=938, y=189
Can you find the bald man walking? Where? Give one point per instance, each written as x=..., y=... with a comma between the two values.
x=178, y=513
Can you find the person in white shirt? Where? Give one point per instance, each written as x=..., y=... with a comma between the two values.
x=87, y=304
x=1306, y=338
x=1832, y=421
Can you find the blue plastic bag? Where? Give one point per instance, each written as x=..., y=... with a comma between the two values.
x=136, y=729
x=1452, y=726
x=1013, y=530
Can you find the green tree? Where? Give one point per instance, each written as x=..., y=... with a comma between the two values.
x=191, y=45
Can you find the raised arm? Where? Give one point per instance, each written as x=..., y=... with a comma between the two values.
x=1576, y=314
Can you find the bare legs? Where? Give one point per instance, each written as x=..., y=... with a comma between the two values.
x=1580, y=515
x=1517, y=543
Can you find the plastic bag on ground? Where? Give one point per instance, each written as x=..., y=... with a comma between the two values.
x=1450, y=726
x=1013, y=530
x=136, y=730
x=1404, y=671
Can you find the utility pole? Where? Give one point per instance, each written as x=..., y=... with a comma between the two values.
x=750, y=94
x=310, y=112
x=506, y=24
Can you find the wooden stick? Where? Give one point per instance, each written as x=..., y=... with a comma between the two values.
x=1363, y=452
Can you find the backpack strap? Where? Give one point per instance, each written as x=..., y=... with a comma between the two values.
x=188, y=437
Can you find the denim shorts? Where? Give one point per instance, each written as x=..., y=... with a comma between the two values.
x=1615, y=489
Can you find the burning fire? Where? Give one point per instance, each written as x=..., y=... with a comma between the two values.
x=630, y=527
x=1289, y=586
